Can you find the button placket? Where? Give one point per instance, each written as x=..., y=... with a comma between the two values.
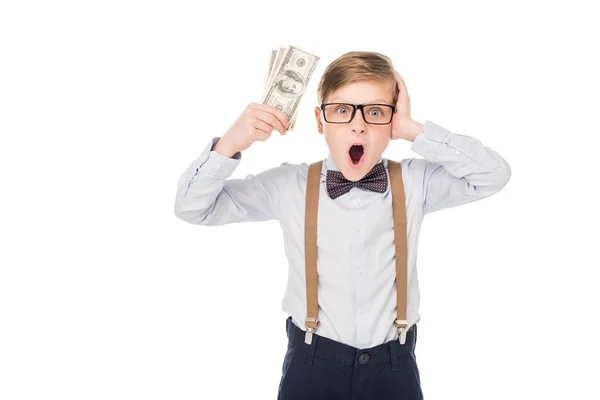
x=357, y=265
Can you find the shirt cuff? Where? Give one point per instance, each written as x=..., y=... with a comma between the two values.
x=216, y=164
x=428, y=143
x=236, y=156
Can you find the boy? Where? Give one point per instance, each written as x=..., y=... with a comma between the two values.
x=359, y=341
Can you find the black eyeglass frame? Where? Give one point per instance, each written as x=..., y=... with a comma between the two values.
x=362, y=111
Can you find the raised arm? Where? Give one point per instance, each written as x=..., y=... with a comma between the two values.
x=206, y=195
x=457, y=169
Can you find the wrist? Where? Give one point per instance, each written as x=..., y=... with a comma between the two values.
x=413, y=129
x=223, y=148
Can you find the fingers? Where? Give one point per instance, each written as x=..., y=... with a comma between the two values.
x=403, y=92
x=262, y=127
x=398, y=77
x=400, y=81
x=280, y=115
x=270, y=119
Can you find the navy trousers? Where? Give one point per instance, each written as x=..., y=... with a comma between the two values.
x=327, y=369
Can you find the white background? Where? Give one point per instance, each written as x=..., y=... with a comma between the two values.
x=105, y=294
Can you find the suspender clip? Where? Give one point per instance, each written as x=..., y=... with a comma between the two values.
x=310, y=330
x=309, y=335
x=402, y=335
x=401, y=324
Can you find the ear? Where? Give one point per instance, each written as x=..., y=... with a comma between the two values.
x=319, y=122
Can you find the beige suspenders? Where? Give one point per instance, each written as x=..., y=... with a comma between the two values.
x=310, y=247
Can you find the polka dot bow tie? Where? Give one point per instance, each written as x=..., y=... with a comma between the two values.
x=376, y=181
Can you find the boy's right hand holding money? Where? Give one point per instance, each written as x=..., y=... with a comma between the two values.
x=255, y=123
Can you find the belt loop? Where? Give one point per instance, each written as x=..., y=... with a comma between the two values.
x=415, y=335
x=394, y=355
x=310, y=351
x=288, y=326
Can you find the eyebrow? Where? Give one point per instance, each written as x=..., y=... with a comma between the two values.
x=367, y=102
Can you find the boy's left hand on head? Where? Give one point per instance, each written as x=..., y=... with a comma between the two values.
x=403, y=126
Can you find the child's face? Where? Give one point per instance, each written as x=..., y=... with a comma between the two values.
x=341, y=137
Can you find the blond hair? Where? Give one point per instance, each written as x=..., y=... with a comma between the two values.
x=356, y=66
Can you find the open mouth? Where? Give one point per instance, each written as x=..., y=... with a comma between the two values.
x=356, y=153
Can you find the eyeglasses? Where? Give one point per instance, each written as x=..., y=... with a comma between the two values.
x=342, y=113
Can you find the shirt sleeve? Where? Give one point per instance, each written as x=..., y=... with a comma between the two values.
x=207, y=196
x=457, y=169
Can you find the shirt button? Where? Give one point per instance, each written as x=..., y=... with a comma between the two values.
x=363, y=358
x=458, y=151
x=356, y=201
x=360, y=273
x=362, y=311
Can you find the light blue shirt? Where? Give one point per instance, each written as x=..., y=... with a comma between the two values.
x=355, y=237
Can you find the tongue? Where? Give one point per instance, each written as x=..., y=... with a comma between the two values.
x=356, y=153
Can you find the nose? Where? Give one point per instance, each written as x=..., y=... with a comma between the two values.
x=358, y=123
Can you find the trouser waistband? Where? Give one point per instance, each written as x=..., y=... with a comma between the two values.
x=350, y=355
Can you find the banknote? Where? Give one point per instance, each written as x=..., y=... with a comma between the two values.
x=276, y=57
x=271, y=65
x=290, y=70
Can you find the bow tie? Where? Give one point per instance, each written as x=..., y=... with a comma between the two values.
x=376, y=181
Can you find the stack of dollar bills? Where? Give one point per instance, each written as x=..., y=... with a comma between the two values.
x=289, y=72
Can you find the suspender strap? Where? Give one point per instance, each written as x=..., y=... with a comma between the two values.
x=400, y=242
x=310, y=248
